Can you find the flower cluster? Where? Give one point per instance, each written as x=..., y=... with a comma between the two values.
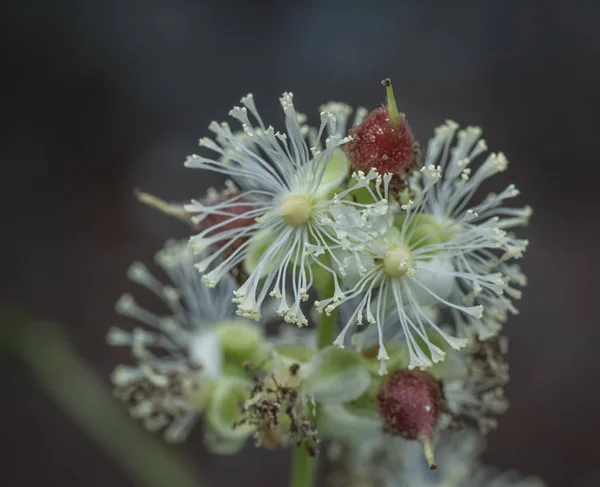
x=403, y=275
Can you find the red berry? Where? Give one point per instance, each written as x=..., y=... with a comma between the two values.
x=377, y=144
x=383, y=140
x=409, y=403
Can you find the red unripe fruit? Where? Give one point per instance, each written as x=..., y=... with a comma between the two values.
x=410, y=403
x=380, y=143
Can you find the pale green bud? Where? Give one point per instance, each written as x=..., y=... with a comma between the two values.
x=338, y=167
x=239, y=339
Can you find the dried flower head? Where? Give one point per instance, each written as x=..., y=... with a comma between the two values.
x=175, y=354
x=279, y=411
x=160, y=396
x=479, y=396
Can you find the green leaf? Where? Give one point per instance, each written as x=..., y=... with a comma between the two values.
x=351, y=424
x=336, y=375
x=297, y=353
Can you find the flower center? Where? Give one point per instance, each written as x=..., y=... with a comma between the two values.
x=396, y=262
x=296, y=209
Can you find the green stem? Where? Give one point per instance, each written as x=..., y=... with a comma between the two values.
x=327, y=325
x=80, y=393
x=327, y=330
x=303, y=466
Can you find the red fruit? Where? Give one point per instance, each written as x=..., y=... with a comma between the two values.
x=383, y=140
x=409, y=403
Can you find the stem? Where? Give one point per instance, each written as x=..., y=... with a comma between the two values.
x=327, y=330
x=80, y=393
x=327, y=325
x=303, y=466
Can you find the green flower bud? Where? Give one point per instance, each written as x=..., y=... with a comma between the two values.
x=428, y=230
x=259, y=244
x=335, y=173
x=238, y=338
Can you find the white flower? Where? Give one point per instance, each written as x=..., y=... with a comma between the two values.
x=408, y=273
x=441, y=251
x=396, y=462
x=458, y=466
x=176, y=353
x=482, y=245
x=284, y=186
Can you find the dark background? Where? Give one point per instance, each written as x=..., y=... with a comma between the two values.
x=102, y=97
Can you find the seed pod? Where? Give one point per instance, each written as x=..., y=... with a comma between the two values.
x=409, y=403
x=383, y=140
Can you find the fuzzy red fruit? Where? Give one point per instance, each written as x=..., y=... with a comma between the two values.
x=409, y=403
x=378, y=143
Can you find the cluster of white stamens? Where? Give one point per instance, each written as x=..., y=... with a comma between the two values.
x=297, y=214
x=457, y=263
x=298, y=219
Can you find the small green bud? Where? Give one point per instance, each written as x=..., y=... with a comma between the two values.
x=239, y=338
x=335, y=173
x=260, y=243
x=428, y=230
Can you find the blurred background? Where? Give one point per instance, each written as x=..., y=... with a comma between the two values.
x=103, y=97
